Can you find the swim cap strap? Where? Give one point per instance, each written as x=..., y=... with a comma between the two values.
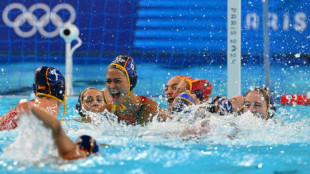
x=81, y=96
x=124, y=70
x=64, y=102
x=240, y=109
x=190, y=82
x=105, y=96
x=189, y=101
x=120, y=107
x=268, y=104
x=49, y=82
x=180, y=102
x=118, y=65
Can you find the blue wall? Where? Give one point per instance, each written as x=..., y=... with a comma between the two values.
x=179, y=26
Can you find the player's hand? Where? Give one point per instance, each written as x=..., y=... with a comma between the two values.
x=24, y=106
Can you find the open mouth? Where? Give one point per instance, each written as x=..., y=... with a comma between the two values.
x=170, y=100
x=116, y=95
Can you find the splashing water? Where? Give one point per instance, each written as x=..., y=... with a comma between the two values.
x=244, y=129
x=195, y=140
x=33, y=142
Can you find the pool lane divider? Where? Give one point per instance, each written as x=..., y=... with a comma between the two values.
x=291, y=99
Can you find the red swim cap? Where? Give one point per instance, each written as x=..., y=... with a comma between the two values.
x=183, y=77
x=202, y=88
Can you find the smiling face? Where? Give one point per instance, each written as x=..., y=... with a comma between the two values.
x=117, y=85
x=255, y=103
x=93, y=100
x=170, y=88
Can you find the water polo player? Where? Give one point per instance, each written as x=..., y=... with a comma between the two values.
x=90, y=100
x=67, y=149
x=182, y=101
x=171, y=88
x=201, y=88
x=192, y=91
x=50, y=90
x=121, y=79
x=260, y=103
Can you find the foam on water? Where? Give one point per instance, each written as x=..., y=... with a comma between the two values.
x=183, y=141
x=244, y=129
x=33, y=142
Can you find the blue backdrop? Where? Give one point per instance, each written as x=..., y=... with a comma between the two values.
x=167, y=33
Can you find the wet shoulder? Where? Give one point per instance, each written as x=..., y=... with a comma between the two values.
x=148, y=108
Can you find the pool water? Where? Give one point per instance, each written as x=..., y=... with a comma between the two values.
x=230, y=144
x=285, y=78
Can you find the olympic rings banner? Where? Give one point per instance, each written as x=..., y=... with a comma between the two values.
x=38, y=24
x=178, y=27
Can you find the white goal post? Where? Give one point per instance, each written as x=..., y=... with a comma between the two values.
x=233, y=48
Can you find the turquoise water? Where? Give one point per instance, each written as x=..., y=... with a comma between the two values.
x=243, y=144
x=286, y=78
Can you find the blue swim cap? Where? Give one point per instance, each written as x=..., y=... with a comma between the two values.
x=128, y=66
x=220, y=105
x=181, y=102
x=224, y=107
x=88, y=144
x=50, y=82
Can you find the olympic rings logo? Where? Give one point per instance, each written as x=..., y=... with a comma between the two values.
x=37, y=24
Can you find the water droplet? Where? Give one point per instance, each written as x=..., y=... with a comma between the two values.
x=260, y=165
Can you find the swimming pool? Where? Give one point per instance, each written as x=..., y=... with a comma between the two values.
x=182, y=38
x=243, y=144
x=286, y=78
